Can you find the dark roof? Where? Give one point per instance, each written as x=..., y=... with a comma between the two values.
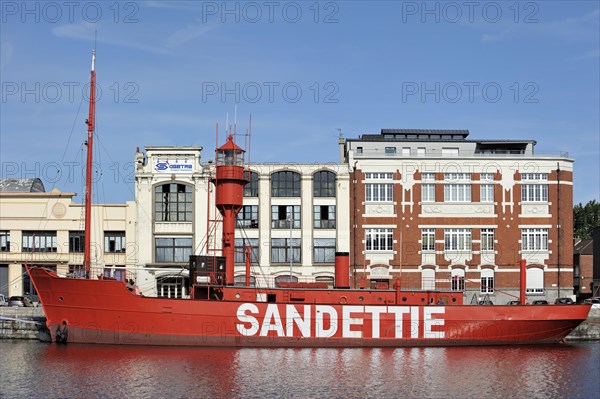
x=464, y=133
x=21, y=186
x=584, y=247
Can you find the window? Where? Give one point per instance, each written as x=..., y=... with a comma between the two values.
x=534, y=239
x=240, y=253
x=450, y=152
x=535, y=280
x=247, y=217
x=487, y=281
x=428, y=192
x=458, y=279
x=457, y=193
x=487, y=240
x=76, y=241
x=534, y=193
x=390, y=150
x=379, y=192
x=420, y=150
x=285, y=184
x=119, y=272
x=324, y=184
x=4, y=241
x=324, y=250
x=487, y=177
x=428, y=279
x=379, y=239
x=240, y=281
x=39, y=241
x=281, y=252
x=324, y=216
x=428, y=177
x=535, y=176
x=457, y=176
x=457, y=240
x=428, y=240
x=114, y=241
x=173, y=203
x=280, y=215
x=406, y=151
x=251, y=188
x=486, y=193
x=76, y=270
x=173, y=249
x=379, y=176
x=171, y=286
x=359, y=150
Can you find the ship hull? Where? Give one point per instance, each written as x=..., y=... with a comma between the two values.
x=105, y=312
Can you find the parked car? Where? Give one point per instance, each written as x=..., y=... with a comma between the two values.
x=595, y=301
x=3, y=300
x=513, y=303
x=19, y=301
x=540, y=302
x=563, y=301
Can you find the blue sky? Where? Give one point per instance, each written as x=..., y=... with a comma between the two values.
x=169, y=71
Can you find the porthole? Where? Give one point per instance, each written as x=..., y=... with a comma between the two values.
x=60, y=298
x=237, y=295
x=404, y=299
x=360, y=298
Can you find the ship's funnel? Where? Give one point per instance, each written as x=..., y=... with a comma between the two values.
x=342, y=270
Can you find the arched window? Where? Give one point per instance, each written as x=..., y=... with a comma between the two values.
x=285, y=184
x=458, y=279
x=324, y=184
x=251, y=188
x=487, y=281
x=428, y=279
x=173, y=203
x=535, y=280
x=325, y=279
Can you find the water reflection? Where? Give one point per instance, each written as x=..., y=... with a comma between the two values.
x=139, y=372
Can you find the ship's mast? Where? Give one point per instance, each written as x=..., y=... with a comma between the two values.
x=91, y=122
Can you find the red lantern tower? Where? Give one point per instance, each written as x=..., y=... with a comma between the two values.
x=229, y=181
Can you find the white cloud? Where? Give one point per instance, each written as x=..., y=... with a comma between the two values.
x=190, y=32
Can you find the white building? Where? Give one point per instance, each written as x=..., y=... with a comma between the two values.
x=177, y=218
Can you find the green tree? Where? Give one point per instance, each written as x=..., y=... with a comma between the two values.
x=585, y=218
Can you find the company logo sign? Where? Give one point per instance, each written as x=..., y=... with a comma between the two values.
x=174, y=166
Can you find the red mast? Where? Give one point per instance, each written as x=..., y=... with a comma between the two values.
x=91, y=122
x=229, y=196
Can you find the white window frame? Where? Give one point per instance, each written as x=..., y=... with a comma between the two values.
x=457, y=279
x=534, y=193
x=379, y=176
x=487, y=281
x=534, y=280
x=428, y=176
x=457, y=192
x=379, y=240
x=428, y=240
x=486, y=193
x=428, y=192
x=428, y=279
x=534, y=239
x=379, y=192
x=458, y=240
x=487, y=240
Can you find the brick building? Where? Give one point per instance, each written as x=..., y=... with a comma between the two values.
x=437, y=210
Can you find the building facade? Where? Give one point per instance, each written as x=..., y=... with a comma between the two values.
x=40, y=228
x=439, y=211
x=294, y=219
